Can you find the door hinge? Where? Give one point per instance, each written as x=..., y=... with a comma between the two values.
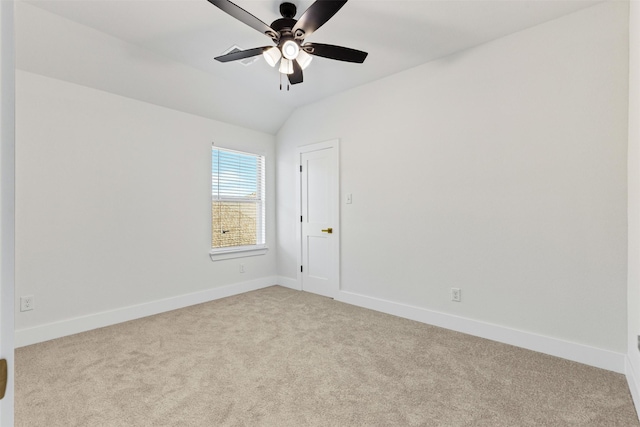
x=300, y=168
x=300, y=218
x=300, y=269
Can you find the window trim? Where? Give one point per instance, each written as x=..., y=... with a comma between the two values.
x=237, y=252
x=231, y=252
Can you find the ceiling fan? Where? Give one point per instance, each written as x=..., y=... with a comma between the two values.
x=289, y=34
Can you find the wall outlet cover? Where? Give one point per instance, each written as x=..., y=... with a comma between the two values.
x=26, y=303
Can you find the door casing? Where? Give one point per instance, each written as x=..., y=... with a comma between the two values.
x=7, y=202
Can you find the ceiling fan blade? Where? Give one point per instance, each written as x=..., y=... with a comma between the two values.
x=335, y=52
x=317, y=15
x=242, y=15
x=296, y=77
x=242, y=54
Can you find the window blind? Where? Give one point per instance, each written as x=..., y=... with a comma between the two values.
x=237, y=207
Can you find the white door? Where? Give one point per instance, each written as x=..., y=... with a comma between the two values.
x=7, y=190
x=319, y=218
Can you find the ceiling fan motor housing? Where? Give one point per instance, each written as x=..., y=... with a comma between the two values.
x=284, y=26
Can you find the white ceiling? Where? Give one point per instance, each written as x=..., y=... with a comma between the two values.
x=398, y=34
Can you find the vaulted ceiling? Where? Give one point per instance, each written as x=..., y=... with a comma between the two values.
x=172, y=44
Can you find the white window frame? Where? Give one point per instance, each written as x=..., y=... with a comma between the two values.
x=230, y=252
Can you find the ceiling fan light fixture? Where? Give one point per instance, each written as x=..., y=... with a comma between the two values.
x=286, y=66
x=290, y=49
x=304, y=59
x=272, y=56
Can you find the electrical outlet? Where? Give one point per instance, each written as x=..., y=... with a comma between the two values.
x=26, y=303
x=456, y=294
x=241, y=268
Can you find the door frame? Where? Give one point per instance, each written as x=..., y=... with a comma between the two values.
x=333, y=143
x=7, y=203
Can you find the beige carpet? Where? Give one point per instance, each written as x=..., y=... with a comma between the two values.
x=278, y=357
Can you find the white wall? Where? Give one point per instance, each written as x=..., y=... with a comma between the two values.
x=633, y=291
x=52, y=46
x=500, y=170
x=113, y=202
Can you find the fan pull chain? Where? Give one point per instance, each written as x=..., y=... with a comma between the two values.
x=288, y=85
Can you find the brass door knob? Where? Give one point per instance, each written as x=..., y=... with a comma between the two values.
x=328, y=230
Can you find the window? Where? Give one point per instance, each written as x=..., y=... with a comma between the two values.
x=237, y=204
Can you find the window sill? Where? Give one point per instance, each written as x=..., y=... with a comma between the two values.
x=222, y=254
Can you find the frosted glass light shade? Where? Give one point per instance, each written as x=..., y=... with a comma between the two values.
x=286, y=66
x=272, y=56
x=290, y=49
x=304, y=59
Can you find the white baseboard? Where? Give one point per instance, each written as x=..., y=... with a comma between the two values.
x=49, y=331
x=592, y=356
x=633, y=380
x=289, y=283
x=587, y=355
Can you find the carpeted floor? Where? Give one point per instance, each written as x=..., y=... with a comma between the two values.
x=277, y=357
